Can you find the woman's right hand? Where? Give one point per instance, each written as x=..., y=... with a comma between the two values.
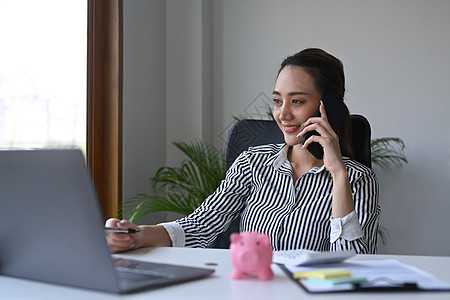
x=119, y=242
x=147, y=236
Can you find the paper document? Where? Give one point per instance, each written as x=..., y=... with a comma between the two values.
x=378, y=273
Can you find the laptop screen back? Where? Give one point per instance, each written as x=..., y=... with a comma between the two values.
x=51, y=228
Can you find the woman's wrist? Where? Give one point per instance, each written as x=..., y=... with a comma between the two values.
x=342, y=203
x=154, y=236
x=340, y=173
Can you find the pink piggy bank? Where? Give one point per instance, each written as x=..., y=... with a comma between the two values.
x=251, y=252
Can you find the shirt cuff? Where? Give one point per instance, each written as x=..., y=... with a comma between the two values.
x=347, y=228
x=176, y=233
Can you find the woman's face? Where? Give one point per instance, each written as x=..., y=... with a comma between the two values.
x=296, y=99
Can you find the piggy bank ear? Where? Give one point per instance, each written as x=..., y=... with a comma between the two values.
x=235, y=237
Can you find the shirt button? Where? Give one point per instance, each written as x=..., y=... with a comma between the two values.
x=297, y=188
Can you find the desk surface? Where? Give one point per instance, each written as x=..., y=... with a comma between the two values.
x=219, y=285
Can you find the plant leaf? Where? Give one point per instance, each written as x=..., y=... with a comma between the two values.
x=388, y=151
x=181, y=189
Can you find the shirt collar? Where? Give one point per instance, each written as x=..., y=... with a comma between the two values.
x=280, y=162
x=278, y=158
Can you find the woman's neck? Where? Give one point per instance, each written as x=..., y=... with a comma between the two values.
x=301, y=161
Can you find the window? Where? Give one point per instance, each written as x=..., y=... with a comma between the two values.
x=53, y=53
x=43, y=67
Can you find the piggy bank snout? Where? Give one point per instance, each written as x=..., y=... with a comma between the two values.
x=249, y=258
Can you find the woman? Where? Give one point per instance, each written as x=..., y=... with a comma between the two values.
x=300, y=201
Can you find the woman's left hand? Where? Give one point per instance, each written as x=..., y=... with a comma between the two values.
x=342, y=202
x=328, y=139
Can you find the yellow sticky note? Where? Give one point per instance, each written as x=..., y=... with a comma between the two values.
x=322, y=273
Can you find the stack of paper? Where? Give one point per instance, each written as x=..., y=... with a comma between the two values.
x=365, y=274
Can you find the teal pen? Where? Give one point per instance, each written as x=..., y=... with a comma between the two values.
x=339, y=280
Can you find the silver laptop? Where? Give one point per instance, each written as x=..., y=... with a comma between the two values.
x=51, y=228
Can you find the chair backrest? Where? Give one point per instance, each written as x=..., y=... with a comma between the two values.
x=247, y=133
x=361, y=138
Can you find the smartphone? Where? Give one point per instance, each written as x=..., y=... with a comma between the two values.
x=336, y=111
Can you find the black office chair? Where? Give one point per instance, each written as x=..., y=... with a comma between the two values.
x=246, y=133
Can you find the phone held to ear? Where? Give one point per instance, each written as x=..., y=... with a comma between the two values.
x=336, y=111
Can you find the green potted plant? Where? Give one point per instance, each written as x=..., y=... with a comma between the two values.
x=181, y=189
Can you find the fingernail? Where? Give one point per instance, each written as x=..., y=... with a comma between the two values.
x=321, y=102
x=132, y=245
x=121, y=223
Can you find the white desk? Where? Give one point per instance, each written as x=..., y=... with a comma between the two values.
x=219, y=285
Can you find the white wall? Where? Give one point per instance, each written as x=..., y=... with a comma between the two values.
x=397, y=62
x=144, y=105
x=167, y=87
x=188, y=73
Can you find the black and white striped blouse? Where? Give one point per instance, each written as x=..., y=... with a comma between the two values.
x=295, y=215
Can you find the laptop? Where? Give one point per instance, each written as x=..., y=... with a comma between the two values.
x=52, y=230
